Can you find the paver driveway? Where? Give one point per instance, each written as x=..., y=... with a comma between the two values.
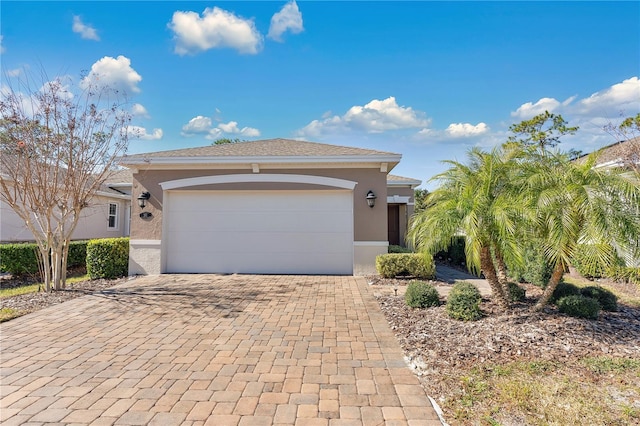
x=214, y=350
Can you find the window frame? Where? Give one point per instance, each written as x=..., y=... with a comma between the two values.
x=116, y=221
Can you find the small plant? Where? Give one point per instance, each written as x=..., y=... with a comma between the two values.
x=516, y=293
x=608, y=301
x=463, y=302
x=421, y=295
x=579, y=306
x=413, y=264
x=564, y=289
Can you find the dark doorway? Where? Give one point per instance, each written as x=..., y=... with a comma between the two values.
x=393, y=226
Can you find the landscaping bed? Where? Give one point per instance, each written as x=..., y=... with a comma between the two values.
x=523, y=368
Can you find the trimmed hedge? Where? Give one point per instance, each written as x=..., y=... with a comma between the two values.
x=607, y=299
x=412, y=264
x=535, y=268
x=564, y=289
x=108, y=258
x=579, y=306
x=420, y=294
x=19, y=259
x=398, y=249
x=463, y=302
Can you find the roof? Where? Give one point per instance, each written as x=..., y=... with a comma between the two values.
x=122, y=176
x=394, y=180
x=268, y=150
x=618, y=154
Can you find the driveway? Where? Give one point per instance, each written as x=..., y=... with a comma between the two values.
x=214, y=350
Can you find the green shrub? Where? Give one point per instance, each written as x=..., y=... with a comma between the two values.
x=421, y=295
x=413, y=264
x=77, y=254
x=19, y=259
x=398, y=249
x=516, y=293
x=583, y=261
x=108, y=258
x=626, y=274
x=535, y=268
x=608, y=301
x=463, y=302
x=564, y=289
x=455, y=253
x=577, y=305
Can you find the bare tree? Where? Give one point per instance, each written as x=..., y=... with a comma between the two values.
x=57, y=147
x=627, y=135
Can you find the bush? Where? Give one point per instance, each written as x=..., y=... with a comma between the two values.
x=516, y=293
x=77, y=254
x=398, y=249
x=108, y=258
x=463, y=302
x=608, y=301
x=562, y=290
x=583, y=261
x=626, y=274
x=19, y=259
x=455, y=253
x=579, y=306
x=414, y=264
x=535, y=270
x=421, y=295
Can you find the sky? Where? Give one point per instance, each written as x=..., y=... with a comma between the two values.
x=428, y=80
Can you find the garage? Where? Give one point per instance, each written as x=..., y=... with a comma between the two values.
x=267, y=231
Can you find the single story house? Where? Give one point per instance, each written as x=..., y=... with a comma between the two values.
x=107, y=215
x=275, y=206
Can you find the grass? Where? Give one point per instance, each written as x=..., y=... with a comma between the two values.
x=602, y=390
x=7, y=313
x=33, y=288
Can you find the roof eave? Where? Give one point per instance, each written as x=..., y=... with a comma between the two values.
x=125, y=161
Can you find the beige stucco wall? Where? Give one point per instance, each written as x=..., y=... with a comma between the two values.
x=92, y=223
x=369, y=223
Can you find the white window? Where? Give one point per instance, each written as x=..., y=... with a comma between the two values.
x=112, y=218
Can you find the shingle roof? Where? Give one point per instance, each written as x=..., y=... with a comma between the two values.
x=262, y=148
x=619, y=153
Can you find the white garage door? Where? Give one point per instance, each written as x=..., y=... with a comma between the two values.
x=268, y=232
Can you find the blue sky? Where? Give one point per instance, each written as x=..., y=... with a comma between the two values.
x=427, y=80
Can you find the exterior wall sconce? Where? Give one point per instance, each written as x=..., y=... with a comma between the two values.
x=142, y=198
x=371, y=199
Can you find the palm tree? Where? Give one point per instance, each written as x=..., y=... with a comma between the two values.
x=573, y=203
x=474, y=201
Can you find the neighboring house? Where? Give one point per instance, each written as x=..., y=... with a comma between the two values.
x=274, y=206
x=108, y=214
x=624, y=154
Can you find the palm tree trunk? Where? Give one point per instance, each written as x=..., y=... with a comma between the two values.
x=556, y=276
x=501, y=271
x=489, y=271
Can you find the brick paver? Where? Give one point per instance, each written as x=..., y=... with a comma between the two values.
x=211, y=350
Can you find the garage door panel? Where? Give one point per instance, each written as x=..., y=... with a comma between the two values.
x=260, y=232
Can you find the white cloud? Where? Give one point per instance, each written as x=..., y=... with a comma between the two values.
x=197, y=126
x=375, y=117
x=529, y=109
x=232, y=128
x=217, y=28
x=288, y=18
x=465, y=130
x=204, y=126
x=141, y=133
x=140, y=111
x=87, y=32
x=14, y=72
x=619, y=96
x=115, y=73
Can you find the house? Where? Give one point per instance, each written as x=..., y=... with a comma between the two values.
x=107, y=216
x=275, y=206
